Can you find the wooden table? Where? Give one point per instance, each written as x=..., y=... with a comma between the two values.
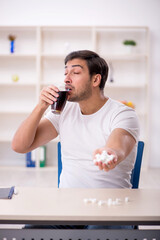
x=67, y=206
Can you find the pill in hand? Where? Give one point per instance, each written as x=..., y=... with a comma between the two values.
x=104, y=157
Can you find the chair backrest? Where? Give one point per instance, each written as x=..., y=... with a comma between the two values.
x=135, y=172
x=137, y=167
x=59, y=162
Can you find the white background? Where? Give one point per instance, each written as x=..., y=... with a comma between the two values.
x=99, y=12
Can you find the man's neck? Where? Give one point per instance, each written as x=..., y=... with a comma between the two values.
x=92, y=104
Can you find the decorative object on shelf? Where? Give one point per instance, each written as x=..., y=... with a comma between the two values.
x=32, y=156
x=15, y=78
x=31, y=159
x=12, y=45
x=111, y=72
x=129, y=45
x=128, y=103
x=42, y=156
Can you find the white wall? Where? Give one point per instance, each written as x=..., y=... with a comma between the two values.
x=99, y=12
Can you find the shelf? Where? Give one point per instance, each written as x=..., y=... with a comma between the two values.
x=14, y=111
x=53, y=56
x=24, y=68
x=125, y=57
x=124, y=86
x=17, y=84
x=121, y=29
x=8, y=139
x=25, y=41
x=5, y=139
x=110, y=41
x=17, y=56
x=49, y=83
x=62, y=40
x=38, y=61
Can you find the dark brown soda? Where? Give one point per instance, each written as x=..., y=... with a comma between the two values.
x=57, y=107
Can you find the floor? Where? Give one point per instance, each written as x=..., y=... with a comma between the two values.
x=47, y=177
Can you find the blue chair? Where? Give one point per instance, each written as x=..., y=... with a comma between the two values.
x=135, y=172
x=59, y=162
x=137, y=167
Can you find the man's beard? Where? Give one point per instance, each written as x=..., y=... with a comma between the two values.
x=83, y=94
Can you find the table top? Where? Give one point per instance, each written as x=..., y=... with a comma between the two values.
x=51, y=205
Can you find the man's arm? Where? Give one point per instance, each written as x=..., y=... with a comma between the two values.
x=35, y=131
x=120, y=143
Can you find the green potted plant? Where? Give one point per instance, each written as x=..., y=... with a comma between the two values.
x=129, y=45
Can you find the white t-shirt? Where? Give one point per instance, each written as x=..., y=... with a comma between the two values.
x=81, y=135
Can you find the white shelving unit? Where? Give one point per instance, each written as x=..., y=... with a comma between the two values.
x=38, y=61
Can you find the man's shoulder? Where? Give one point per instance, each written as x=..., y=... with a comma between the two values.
x=116, y=108
x=116, y=105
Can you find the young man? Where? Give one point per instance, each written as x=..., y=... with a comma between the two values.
x=89, y=124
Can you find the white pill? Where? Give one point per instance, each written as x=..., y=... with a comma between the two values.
x=118, y=200
x=98, y=156
x=103, y=158
x=114, y=203
x=104, y=152
x=93, y=200
x=109, y=202
x=126, y=199
x=101, y=202
x=97, y=160
x=15, y=191
x=110, y=157
x=86, y=200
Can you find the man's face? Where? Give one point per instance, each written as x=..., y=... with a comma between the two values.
x=78, y=80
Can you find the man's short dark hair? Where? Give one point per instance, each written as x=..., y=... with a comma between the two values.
x=95, y=63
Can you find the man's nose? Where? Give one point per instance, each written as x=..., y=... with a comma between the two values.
x=68, y=79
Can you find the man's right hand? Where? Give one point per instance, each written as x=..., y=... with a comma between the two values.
x=48, y=96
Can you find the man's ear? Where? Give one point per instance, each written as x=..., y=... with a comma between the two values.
x=96, y=80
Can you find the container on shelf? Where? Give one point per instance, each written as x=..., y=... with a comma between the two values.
x=31, y=159
x=42, y=157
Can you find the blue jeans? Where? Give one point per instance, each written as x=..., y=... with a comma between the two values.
x=89, y=227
